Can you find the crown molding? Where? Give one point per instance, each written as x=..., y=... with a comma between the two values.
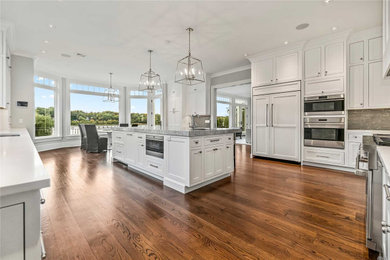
x=225, y=72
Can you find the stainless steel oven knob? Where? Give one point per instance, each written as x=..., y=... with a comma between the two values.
x=385, y=230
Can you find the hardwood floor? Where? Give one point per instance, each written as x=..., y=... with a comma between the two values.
x=267, y=210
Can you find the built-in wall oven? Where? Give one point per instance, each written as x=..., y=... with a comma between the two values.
x=324, y=105
x=327, y=132
x=155, y=145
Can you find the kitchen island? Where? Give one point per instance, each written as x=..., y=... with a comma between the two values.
x=22, y=176
x=183, y=159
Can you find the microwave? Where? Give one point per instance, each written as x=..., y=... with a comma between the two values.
x=324, y=105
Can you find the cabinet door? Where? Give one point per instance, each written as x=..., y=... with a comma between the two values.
x=176, y=156
x=356, y=86
x=229, y=158
x=219, y=158
x=196, y=166
x=334, y=59
x=313, y=63
x=375, y=49
x=285, y=121
x=12, y=233
x=356, y=52
x=287, y=68
x=378, y=88
x=260, y=123
x=209, y=163
x=263, y=72
x=140, y=153
x=353, y=149
x=324, y=87
x=130, y=148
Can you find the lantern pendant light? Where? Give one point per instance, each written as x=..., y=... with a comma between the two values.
x=149, y=80
x=111, y=94
x=189, y=70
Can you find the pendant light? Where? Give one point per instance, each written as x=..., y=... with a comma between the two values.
x=189, y=70
x=149, y=80
x=111, y=94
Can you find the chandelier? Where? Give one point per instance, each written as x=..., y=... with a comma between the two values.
x=189, y=70
x=149, y=80
x=111, y=94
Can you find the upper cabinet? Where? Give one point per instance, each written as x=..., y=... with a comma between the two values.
x=386, y=39
x=324, y=61
x=366, y=86
x=276, y=67
x=4, y=70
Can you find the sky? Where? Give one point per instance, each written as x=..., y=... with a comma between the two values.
x=222, y=109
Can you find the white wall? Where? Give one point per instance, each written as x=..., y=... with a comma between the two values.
x=174, y=105
x=22, y=89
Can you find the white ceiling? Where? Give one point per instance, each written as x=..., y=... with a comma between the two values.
x=241, y=91
x=115, y=36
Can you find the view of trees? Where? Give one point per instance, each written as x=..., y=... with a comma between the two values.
x=97, y=118
x=222, y=121
x=44, y=121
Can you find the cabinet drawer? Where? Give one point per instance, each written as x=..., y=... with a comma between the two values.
x=118, y=151
x=213, y=140
x=355, y=137
x=324, y=156
x=118, y=137
x=155, y=167
x=228, y=139
x=196, y=142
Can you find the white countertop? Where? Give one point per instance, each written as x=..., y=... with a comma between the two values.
x=21, y=168
x=384, y=154
x=369, y=132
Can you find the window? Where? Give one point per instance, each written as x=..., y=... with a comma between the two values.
x=87, y=107
x=223, y=112
x=146, y=108
x=138, y=111
x=45, y=94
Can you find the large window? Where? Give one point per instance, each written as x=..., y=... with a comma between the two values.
x=223, y=112
x=145, y=108
x=45, y=93
x=87, y=106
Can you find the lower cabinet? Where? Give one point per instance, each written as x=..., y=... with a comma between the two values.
x=353, y=149
x=214, y=161
x=324, y=155
x=196, y=166
x=12, y=232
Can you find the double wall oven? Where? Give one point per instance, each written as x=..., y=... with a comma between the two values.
x=324, y=122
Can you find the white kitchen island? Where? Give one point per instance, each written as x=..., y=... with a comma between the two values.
x=191, y=158
x=22, y=175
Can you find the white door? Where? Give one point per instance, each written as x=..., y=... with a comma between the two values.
x=219, y=158
x=130, y=148
x=287, y=68
x=260, y=124
x=353, y=149
x=285, y=121
x=356, y=52
x=334, y=59
x=196, y=166
x=378, y=88
x=356, y=86
x=229, y=158
x=313, y=63
x=208, y=163
x=263, y=72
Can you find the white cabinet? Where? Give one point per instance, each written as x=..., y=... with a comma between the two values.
x=324, y=155
x=378, y=88
x=353, y=149
x=375, y=49
x=324, y=61
x=176, y=155
x=214, y=161
x=279, y=68
x=219, y=158
x=386, y=38
x=12, y=232
x=196, y=166
x=356, y=86
x=195, y=100
x=209, y=162
x=324, y=87
x=356, y=52
x=229, y=158
x=130, y=151
x=140, y=153
x=262, y=72
x=276, y=125
x=313, y=63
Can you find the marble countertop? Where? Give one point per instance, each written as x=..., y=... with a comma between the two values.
x=179, y=131
x=21, y=167
x=384, y=154
x=370, y=132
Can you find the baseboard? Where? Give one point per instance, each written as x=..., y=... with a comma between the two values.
x=332, y=167
x=51, y=145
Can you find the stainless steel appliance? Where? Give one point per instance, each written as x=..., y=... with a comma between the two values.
x=200, y=122
x=367, y=164
x=327, y=132
x=155, y=145
x=324, y=105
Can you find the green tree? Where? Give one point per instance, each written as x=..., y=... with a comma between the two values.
x=44, y=125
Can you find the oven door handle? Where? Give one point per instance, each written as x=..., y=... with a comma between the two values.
x=325, y=125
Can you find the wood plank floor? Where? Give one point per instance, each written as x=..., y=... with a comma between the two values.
x=267, y=210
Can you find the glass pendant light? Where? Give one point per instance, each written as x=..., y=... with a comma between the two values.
x=149, y=80
x=111, y=94
x=189, y=70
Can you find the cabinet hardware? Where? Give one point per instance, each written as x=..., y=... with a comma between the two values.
x=361, y=58
x=272, y=115
x=142, y=145
x=326, y=72
x=385, y=230
x=200, y=152
x=215, y=149
x=266, y=115
x=276, y=79
x=387, y=191
x=227, y=147
x=154, y=166
x=271, y=80
x=323, y=156
x=384, y=224
x=140, y=137
x=229, y=138
x=318, y=74
x=214, y=140
x=361, y=104
x=196, y=142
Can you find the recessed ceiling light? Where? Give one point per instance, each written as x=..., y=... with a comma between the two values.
x=286, y=42
x=327, y=1
x=46, y=41
x=51, y=26
x=43, y=51
x=302, y=26
x=245, y=54
x=65, y=55
x=334, y=28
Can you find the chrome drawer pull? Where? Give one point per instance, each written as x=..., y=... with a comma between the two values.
x=155, y=166
x=196, y=142
x=323, y=156
x=140, y=137
x=387, y=191
x=214, y=140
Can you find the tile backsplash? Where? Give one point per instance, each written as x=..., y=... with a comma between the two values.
x=369, y=119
